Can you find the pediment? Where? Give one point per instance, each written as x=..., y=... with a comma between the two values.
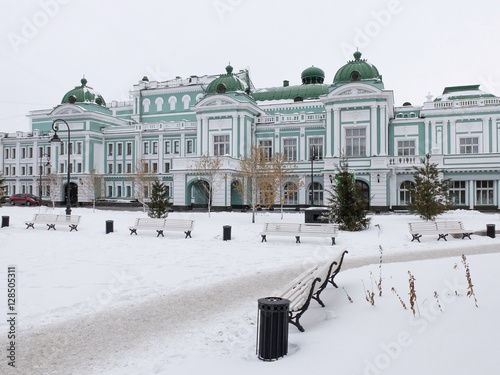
x=354, y=90
x=69, y=109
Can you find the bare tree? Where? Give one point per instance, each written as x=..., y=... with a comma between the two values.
x=281, y=176
x=93, y=186
x=255, y=169
x=209, y=167
x=143, y=180
x=53, y=183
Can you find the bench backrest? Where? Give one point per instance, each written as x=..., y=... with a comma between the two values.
x=68, y=219
x=319, y=228
x=49, y=218
x=420, y=226
x=175, y=224
x=447, y=225
x=149, y=222
x=282, y=227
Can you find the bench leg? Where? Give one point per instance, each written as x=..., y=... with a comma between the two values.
x=467, y=235
x=133, y=231
x=73, y=226
x=297, y=239
x=333, y=241
x=30, y=225
x=53, y=226
x=263, y=238
x=159, y=231
x=188, y=234
x=295, y=322
x=317, y=299
x=416, y=237
x=337, y=270
x=443, y=236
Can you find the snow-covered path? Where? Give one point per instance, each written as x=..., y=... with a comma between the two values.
x=92, y=343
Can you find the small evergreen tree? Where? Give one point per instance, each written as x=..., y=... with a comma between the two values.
x=160, y=201
x=347, y=205
x=430, y=193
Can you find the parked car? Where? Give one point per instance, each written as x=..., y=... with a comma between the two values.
x=27, y=199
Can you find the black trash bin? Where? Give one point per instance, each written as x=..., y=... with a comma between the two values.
x=5, y=221
x=490, y=230
x=226, y=236
x=109, y=226
x=272, y=328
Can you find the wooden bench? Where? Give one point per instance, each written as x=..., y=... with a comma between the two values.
x=300, y=230
x=51, y=220
x=441, y=228
x=161, y=225
x=308, y=286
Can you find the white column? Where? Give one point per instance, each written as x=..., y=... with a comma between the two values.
x=373, y=132
x=383, y=131
x=328, y=143
x=199, y=145
x=88, y=167
x=337, y=132
x=234, y=136
x=472, y=194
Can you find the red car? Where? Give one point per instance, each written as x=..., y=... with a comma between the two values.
x=27, y=199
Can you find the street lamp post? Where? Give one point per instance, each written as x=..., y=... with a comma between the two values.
x=312, y=158
x=56, y=138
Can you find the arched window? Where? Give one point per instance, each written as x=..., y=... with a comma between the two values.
x=145, y=104
x=290, y=193
x=159, y=104
x=317, y=191
x=172, y=101
x=266, y=195
x=404, y=192
x=186, y=99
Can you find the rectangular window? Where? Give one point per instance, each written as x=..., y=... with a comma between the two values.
x=30, y=171
x=110, y=191
x=457, y=193
x=129, y=190
x=119, y=168
x=469, y=145
x=23, y=171
x=189, y=146
x=177, y=146
x=78, y=167
x=267, y=147
x=221, y=145
x=61, y=168
x=155, y=148
x=316, y=148
x=6, y=171
x=406, y=148
x=110, y=168
x=145, y=148
x=168, y=150
x=129, y=167
x=110, y=149
x=23, y=153
x=290, y=149
x=70, y=147
x=484, y=192
x=355, y=142
x=30, y=152
x=62, y=149
x=79, y=147
x=6, y=153
x=40, y=152
x=155, y=167
x=129, y=148
x=118, y=191
x=13, y=153
x=119, y=149
x=167, y=167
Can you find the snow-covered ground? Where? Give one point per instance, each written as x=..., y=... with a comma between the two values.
x=95, y=303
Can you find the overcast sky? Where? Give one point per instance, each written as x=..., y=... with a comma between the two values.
x=47, y=46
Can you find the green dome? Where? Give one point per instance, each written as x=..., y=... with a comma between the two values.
x=357, y=70
x=312, y=75
x=226, y=83
x=83, y=94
